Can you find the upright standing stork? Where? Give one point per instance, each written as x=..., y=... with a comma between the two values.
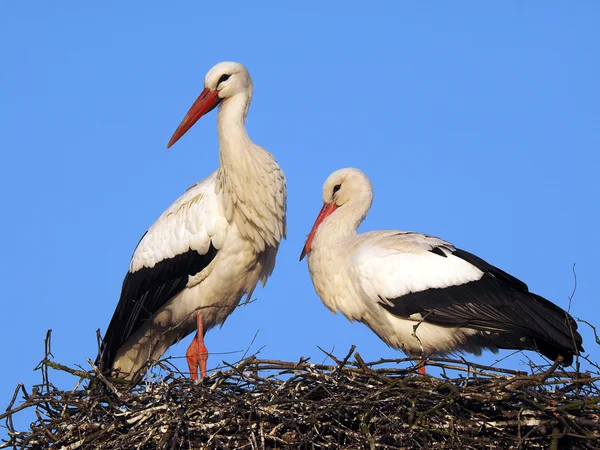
x=209, y=248
x=419, y=293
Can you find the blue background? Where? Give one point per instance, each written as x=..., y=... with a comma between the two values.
x=477, y=122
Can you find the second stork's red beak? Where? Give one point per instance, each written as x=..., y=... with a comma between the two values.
x=206, y=102
x=327, y=209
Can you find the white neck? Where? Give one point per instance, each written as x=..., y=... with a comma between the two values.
x=230, y=124
x=343, y=222
x=249, y=177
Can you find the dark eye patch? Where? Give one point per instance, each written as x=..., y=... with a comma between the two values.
x=224, y=77
x=336, y=188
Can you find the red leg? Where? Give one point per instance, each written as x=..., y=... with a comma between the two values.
x=202, y=350
x=197, y=353
x=192, y=358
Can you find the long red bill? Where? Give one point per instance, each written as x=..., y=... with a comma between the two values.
x=206, y=102
x=327, y=209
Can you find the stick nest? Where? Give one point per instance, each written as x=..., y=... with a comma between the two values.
x=263, y=404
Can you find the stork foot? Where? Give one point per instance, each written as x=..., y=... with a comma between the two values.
x=197, y=353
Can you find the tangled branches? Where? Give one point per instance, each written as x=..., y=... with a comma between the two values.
x=260, y=404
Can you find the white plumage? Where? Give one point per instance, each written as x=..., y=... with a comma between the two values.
x=209, y=248
x=192, y=222
x=384, y=255
x=419, y=293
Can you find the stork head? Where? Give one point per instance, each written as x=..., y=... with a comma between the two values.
x=228, y=79
x=347, y=185
x=349, y=188
x=223, y=81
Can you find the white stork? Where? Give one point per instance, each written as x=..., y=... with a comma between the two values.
x=419, y=293
x=209, y=248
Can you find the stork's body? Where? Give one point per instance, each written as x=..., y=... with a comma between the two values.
x=209, y=248
x=419, y=293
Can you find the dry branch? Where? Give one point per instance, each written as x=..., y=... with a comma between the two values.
x=260, y=404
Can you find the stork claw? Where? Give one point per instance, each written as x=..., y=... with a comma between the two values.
x=197, y=353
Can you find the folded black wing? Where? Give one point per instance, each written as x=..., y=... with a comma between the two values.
x=144, y=293
x=498, y=303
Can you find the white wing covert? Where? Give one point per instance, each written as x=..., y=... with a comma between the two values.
x=192, y=222
x=389, y=265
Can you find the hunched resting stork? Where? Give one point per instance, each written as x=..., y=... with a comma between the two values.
x=419, y=293
x=209, y=248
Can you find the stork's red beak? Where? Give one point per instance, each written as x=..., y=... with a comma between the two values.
x=327, y=209
x=206, y=102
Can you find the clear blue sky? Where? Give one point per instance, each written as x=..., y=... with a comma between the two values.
x=477, y=123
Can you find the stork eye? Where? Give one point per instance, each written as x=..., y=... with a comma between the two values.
x=224, y=77
x=336, y=188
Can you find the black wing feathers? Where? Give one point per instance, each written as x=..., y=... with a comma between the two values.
x=485, y=267
x=144, y=292
x=438, y=251
x=498, y=303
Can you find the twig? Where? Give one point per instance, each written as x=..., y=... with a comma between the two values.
x=268, y=403
x=593, y=329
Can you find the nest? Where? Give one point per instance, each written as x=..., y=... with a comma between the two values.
x=350, y=403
